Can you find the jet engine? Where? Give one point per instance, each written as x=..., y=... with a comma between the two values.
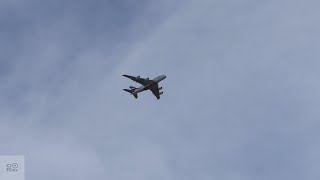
x=147, y=78
x=160, y=93
x=138, y=76
x=160, y=88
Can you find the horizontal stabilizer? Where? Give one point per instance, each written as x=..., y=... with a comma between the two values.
x=131, y=91
x=128, y=90
x=135, y=95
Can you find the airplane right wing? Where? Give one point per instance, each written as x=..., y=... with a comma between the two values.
x=155, y=91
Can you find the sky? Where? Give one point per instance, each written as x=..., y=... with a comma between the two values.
x=241, y=98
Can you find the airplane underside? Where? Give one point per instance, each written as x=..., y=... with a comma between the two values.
x=146, y=84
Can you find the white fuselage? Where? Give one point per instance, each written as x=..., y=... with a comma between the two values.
x=156, y=80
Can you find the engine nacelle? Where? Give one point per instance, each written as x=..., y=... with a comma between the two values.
x=138, y=76
x=160, y=88
x=160, y=93
x=147, y=78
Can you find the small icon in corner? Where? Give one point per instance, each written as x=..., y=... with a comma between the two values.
x=12, y=167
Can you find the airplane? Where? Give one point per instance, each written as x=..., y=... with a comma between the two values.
x=147, y=84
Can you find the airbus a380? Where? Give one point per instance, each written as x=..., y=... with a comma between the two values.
x=146, y=84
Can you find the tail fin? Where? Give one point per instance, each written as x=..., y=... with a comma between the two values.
x=131, y=91
x=135, y=95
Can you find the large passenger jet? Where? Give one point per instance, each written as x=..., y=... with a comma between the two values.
x=147, y=84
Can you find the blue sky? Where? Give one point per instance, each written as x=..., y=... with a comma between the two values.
x=240, y=102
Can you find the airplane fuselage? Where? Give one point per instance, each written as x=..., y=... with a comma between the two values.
x=147, y=87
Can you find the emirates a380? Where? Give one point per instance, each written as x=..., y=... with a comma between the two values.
x=146, y=84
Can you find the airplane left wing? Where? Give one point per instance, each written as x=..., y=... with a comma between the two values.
x=138, y=79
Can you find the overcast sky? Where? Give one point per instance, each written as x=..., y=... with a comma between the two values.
x=241, y=100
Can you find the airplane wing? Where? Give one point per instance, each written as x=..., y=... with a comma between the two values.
x=155, y=90
x=138, y=79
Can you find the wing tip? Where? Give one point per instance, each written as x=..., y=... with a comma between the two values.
x=127, y=76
